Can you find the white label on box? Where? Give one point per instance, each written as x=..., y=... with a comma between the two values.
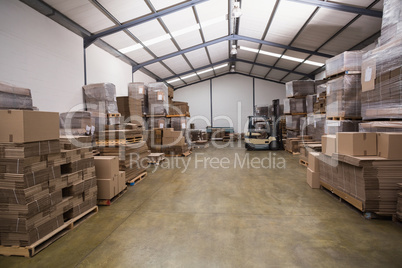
x=334, y=123
x=141, y=90
x=183, y=125
x=161, y=125
x=368, y=73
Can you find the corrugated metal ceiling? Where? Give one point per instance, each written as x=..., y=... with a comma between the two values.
x=154, y=33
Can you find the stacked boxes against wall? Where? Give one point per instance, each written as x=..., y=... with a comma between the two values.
x=36, y=198
x=77, y=123
x=343, y=92
x=295, y=106
x=15, y=98
x=168, y=141
x=127, y=143
x=158, y=99
x=139, y=91
x=130, y=110
x=100, y=100
x=391, y=28
x=316, y=109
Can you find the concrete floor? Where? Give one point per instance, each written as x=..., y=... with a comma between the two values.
x=225, y=217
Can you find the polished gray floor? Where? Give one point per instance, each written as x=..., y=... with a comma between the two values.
x=230, y=216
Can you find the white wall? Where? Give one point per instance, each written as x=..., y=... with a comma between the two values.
x=103, y=67
x=232, y=97
x=41, y=55
x=139, y=76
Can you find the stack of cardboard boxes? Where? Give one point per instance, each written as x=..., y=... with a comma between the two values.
x=168, y=141
x=12, y=97
x=364, y=169
x=42, y=187
x=110, y=180
x=139, y=91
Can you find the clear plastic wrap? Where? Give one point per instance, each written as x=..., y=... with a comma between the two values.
x=344, y=96
x=347, y=61
x=381, y=126
x=293, y=122
x=130, y=109
x=158, y=100
x=100, y=98
x=316, y=126
x=385, y=100
x=179, y=108
x=310, y=101
x=294, y=106
x=15, y=98
x=391, y=27
x=139, y=91
x=300, y=88
x=334, y=126
x=178, y=123
x=78, y=122
x=292, y=133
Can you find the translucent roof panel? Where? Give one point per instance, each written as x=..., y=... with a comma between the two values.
x=188, y=40
x=276, y=74
x=287, y=64
x=259, y=71
x=148, y=31
x=218, y=30
x=177, y=83
x=361, y=29
x=323, y=25
x=289, y=18
x=246, y=54
x=177, y=64
x=125, y=10
x=162, y=4
x=306, y=68
x=163, y=48
x=140, y=55
x=211, y=9
x=218, y=51
x=355, y=3
x=243, y=67
x=190, y=78
x=82, y=12
x=159, y=69
x=198, y=58
x=255, y=17
x=119, y=40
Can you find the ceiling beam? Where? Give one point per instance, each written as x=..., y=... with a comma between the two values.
x=341, y=7
x=228, y=73
x=89, y=40
x=228, y=38
x=234, y=60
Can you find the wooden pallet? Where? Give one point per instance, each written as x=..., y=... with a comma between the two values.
x=119, y=142
x=343, y=196
x=114, y=115
x=137, y=179
x=41, y=244
x=294, y=153
x=108, y=202
x=296, y=114
x=342, y=74
x=341, y=118
x=178, y=115
x=303, y=162
x=155, y=115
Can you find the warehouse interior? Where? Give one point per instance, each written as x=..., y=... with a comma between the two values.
x=200, y=133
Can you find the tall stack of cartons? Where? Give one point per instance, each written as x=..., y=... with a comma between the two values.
x=316, y=117
x=100, y=100
x=382, y=74
x=110, y=180
x=158, y=99
x=139, y=91
x=295, y=106
x=130, y=110
x=343, y=99
x=39, y=191
x=77, y=123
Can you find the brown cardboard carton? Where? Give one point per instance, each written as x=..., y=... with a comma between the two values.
x=19, y=126
x=176, y=141
x=355, y=143
x=329, y=144
x=313, y=161
x=106, y=167
x=170, y=133
x=122, y=181
x=107, y=188
x=313, y=179
x=390, y=145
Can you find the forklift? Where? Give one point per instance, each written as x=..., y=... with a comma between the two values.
x=265, y=133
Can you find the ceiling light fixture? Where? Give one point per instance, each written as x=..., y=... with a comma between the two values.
x=236, y=11
x=276, y=55
x=198, y=73
x=233, y=51
x=232, y=69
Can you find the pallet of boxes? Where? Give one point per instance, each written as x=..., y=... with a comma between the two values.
x=117, y=136
x=44, y=190
x=295, y=113
x=162, y=112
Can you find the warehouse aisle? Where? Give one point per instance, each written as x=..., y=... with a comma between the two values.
x=225, y=217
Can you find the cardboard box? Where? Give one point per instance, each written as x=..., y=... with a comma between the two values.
x=122, y=181
x=389, y=145
x=313, y=161
x=176, y=141
x=106, y=167
x=20, y=126
x=170, y=133
x=313, y=179
x=329, y=144
x=107, y=188
x=356, y=143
